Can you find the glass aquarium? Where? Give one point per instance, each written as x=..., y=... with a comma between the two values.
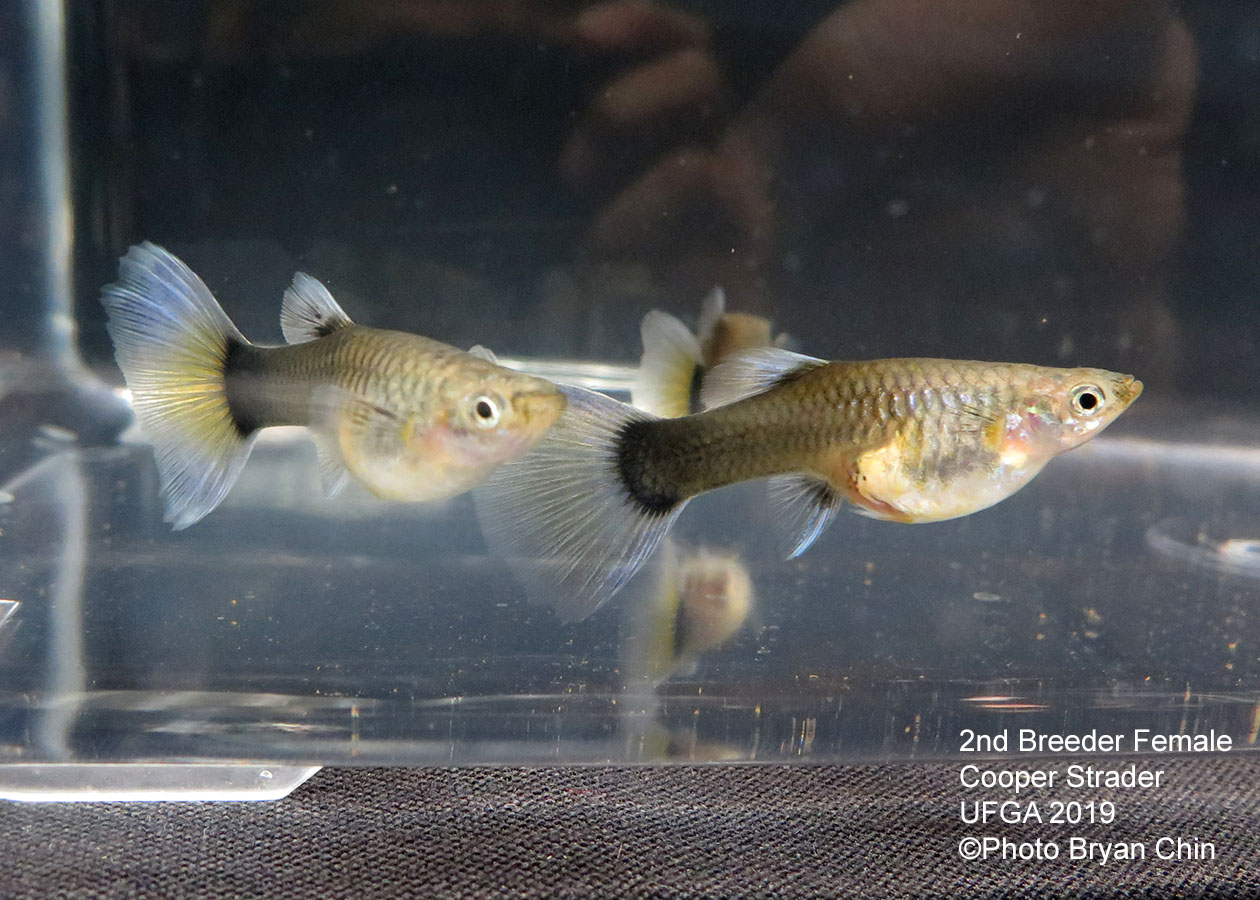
x=876, y=178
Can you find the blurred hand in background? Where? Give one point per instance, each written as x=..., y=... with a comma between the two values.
x=991, y=174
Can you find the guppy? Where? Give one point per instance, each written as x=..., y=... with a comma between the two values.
x=906, y=440
x=410, y=418
x=674, y=361
x=700, y=600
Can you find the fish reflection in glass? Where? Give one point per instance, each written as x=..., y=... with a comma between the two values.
x=700, y=600
x=410, y=418
x=675, y=360
x=904, y=440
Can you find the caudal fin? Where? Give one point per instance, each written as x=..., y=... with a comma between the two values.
x=172, y=341
x=562, y=515
x=668, y=368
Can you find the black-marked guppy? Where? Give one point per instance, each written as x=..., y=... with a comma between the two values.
x=701, y=599
x=675, y=360
x=906, y=440
x=410, y=418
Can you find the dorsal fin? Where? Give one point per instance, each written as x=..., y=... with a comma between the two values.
x=309, y=311
x=483, y=353
x=752, y=372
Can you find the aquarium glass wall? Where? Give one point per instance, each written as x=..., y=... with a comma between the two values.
x=1066, y=185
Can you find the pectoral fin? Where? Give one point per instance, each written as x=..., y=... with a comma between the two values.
x=350, y=429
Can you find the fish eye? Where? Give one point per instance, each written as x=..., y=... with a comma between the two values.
x=486, y=412
x=1087, y=399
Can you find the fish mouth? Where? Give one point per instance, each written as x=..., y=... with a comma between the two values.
x=1128, y=390
x=540, y=408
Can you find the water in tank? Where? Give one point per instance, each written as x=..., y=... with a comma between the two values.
x=862, y=179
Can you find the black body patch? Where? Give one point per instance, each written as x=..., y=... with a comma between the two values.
x=697, y=381
x=635, y=447
x=681, y=632
x=241, y=374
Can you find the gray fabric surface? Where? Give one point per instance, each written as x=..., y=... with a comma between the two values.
x=716, y=831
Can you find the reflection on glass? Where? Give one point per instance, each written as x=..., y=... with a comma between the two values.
x=699, y=600
x=1203, y=545
x=7, y=608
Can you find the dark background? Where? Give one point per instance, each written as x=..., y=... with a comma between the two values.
x=417, y=168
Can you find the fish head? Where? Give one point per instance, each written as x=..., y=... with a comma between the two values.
x=500, y=416
x=462, y=429
x=1066, y=407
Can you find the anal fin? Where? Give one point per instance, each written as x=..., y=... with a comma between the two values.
x=805, y=505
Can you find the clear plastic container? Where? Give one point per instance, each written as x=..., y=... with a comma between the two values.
x=536, y=184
